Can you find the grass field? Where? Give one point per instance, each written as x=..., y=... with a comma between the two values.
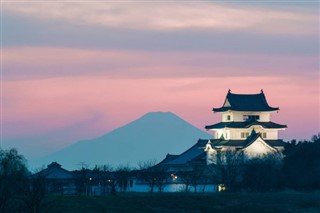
x=188, y=202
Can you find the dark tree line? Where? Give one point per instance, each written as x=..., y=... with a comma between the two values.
x=301, y=165
x=108, y=179
x=22, y=191
x=297, y=168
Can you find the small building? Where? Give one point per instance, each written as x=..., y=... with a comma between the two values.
x=57, y=179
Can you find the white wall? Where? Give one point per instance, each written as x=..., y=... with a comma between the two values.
x=235, y=134
x=238, y=116
x=256, y=149
x=174, y=187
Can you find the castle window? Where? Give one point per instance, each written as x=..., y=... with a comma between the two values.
x=228, y=117
x=251, y=117
x=264, y=135
x=244, y=134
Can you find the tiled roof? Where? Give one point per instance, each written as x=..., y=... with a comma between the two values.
x=246, y=124
x=197, y=150
x=168, y=158
x=54, y=171
x=243, y=143
x=246, y=102
x=190, y=154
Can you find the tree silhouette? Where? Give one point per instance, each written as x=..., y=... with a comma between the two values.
x=13, y=172
x=301, y=164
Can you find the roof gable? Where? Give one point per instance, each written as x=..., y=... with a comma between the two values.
x=257, y=148
x=227, y=103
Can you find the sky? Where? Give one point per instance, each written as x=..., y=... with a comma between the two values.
x=75, y=70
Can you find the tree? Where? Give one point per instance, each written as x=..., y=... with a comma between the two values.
x=13, y=172
x=229, y=168
x=154, y=175
x=193, y=176
x=81, y=180
x=121, y=178
x=160, y=177
x=262, y=174
x=301, y=164
x=103, y=176
x=34, y=192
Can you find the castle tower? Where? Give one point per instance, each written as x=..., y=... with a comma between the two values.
x=246, y=125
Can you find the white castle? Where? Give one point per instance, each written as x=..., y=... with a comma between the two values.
x=245, y=131
x=245, y=128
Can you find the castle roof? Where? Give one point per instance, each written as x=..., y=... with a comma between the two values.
x=197, y=150
x=244, y=143
x=168, y=158
x=246, y=124
x=192, y=153
x=245, y=102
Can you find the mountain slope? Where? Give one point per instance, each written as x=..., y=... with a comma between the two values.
x=152, y=136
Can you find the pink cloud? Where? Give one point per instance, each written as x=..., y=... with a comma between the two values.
x=86, y=93
x=102, y=104
x=47, y=62
x=169, y=16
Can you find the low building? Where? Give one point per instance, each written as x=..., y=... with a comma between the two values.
x=57, y=179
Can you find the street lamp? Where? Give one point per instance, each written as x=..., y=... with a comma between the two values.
x=174, y=177
x=174, y=180
x=90, y=187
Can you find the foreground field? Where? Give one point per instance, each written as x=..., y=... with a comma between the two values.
x=194, y=203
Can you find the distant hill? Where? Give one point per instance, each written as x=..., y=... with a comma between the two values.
x=152, y=136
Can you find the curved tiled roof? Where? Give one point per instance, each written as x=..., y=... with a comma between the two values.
x=54, y=171
x=246, y=124
x=246, y=102
x=247, y=142
x=168, y=158
x=193, y=152
x=197, y=150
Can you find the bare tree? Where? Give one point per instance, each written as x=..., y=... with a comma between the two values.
x=154, y=175
x=120, y=178
x=103, y=175
x=185, y=178
x=81, y=180
x=34, y=192
x=160, y=177
x=194, y=176
x=228, y=168
x=145, y=173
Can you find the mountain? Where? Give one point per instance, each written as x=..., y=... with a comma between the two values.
x=152, y=136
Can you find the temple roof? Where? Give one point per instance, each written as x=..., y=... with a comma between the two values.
x=197, y=150
x=245, y=102
x=246, y=124
x=244, y=143
x=54, y=171
x=168, y=158
x=194, y=152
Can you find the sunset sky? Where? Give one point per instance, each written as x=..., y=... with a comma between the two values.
x=77, y=70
